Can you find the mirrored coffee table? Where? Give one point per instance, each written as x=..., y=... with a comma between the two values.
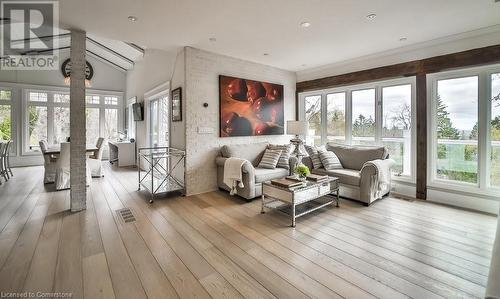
x=301, y=200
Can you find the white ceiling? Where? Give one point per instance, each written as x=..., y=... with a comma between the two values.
x=249, y=28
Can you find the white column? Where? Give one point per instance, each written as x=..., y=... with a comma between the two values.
x=77, y=122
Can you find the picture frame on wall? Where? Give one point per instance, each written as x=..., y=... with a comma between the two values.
x=177, y=104
x=250, y=107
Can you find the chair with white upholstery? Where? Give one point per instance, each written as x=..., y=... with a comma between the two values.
x=95, y=160
x=49, y=164
x=63, y=169
x=3, y=170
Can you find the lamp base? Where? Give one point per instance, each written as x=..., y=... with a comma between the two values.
x=296, y=152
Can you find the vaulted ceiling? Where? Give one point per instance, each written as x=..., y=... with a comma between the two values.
x=340, y=29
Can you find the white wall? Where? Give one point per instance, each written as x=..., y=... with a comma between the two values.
x=202, y=85
x=452, y=44
x=154, y=69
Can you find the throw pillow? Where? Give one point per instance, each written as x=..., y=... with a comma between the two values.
x=313, y=153
x=283, y=162
x=330, y=160
x=270, y=159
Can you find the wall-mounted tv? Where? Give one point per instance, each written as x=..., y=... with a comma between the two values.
x=138, y=112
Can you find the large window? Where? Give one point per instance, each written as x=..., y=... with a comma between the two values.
x=380, y=113
x=465, y=131
x=456, y=109
x=495, y=129
x=396, y=126
x=363, y=116
x=6, y=114
x=335, y=117
x=313, y=116
x=47, y=117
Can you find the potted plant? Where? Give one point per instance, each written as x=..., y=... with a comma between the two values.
x=302, y=171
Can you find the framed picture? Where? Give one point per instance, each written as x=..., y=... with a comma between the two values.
x=250, y=108
x=177, y=104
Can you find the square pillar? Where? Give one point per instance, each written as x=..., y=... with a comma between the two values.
x=78, y=131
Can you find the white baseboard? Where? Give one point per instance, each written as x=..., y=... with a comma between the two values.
x=464, y=201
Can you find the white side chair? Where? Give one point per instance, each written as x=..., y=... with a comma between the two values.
x=95, y=160
x=49, y=164
x=63, y=169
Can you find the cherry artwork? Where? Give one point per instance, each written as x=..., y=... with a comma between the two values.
x=250, y=108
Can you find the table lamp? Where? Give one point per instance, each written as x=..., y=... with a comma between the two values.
x=297, y=128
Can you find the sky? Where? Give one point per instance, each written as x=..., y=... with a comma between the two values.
x=460, y=95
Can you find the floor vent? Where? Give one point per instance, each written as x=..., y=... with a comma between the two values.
x=126, y=215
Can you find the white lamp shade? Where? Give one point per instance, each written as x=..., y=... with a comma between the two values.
x=294, y=127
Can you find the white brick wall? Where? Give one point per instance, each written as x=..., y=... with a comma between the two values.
x=202, y=85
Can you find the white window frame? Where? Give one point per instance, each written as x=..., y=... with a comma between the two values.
x=13, y=117
x=50, y=90
x=483, y=186
x=378, y=86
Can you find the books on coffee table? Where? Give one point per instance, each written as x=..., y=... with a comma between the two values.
x=287, y=182
x=317, y=178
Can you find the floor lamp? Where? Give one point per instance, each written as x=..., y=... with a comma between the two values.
x=297, y=128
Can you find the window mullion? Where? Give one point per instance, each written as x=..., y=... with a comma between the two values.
x=378, y=115
x=324, y=119
x=348, y=117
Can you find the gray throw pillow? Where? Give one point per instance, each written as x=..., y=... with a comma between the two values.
x=270, y=159
x=330, y=160
x=283, y=162
x=313, y=153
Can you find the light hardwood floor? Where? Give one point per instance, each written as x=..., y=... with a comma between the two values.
x=214, y=245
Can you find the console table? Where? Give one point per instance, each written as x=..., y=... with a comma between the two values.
x=301, y=200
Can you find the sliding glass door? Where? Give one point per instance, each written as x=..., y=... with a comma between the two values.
x=158, y=122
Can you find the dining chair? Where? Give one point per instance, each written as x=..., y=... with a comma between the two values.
x=95, y=160
x=7, y=157
x=3, y=170
x=62, y=178
x=49, y=164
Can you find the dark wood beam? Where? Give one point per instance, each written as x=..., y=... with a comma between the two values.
x=475, y=57
x=421, y=90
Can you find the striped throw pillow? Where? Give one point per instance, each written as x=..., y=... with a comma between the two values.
x=283, y=162
x=330, y=160
x=270, y=159
x=313, y=153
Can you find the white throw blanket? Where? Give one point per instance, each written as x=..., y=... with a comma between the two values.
x=383, y=172
x=233, y=175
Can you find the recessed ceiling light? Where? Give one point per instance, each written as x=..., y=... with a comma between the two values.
x=403, y=39
x=132, y=18
x=305, y=24
x=266, y=54
x=212, y=39
x=371, y=16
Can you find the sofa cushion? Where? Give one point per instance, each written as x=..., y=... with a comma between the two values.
x=353, y=157
x=346, y=176
x=264, y=174
x=270, y=158
x=313, y=153
x=284, y=161
x=252, y=152
x=330, y=160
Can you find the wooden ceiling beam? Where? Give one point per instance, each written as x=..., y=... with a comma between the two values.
x=474, y=57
